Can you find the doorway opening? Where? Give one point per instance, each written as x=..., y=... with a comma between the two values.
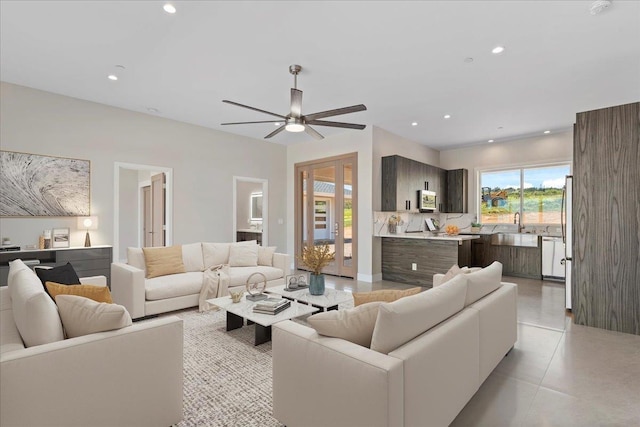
x=326, y=210
x=251, y=209
x=141, y=217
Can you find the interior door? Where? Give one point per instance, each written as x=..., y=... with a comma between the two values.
x=325, y=210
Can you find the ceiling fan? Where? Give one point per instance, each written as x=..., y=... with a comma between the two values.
x=295, y=121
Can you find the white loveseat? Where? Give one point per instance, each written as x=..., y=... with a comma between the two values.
x=127, y=377
x=149, y=296
x=320, y=380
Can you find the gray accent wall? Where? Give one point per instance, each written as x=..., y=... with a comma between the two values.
x=204, y=162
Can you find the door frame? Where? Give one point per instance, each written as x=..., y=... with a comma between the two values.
x=298, y=208
x=265, y=206
x=168, y=172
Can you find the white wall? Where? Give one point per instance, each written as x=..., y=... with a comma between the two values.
x=347, y=142
x=129, y=202
x=204, y=162
x=546, y=149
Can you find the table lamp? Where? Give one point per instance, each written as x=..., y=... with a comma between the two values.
x=87, y=223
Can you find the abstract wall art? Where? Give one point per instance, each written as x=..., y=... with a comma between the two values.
x=32, y=185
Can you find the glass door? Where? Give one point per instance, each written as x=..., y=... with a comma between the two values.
x=325, y=210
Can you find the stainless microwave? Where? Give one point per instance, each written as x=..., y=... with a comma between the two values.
x=426, y=201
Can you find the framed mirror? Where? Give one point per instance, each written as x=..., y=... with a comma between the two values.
x=256, y=206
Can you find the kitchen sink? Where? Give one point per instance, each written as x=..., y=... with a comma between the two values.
x=515, y=239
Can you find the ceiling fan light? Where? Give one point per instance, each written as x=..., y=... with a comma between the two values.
x=294, y=127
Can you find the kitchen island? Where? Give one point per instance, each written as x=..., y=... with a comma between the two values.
x=414, y=258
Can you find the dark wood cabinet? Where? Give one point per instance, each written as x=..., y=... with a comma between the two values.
x=243, y=236
x=606, y=224
x=94, y=261
x=457, y=191
x=518, y=261
x=430, y=257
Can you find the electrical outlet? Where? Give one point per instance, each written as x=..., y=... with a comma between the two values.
x=414, y=266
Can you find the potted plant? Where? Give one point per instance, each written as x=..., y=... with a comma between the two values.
x=316, y=258
x=475, y=227
x=393, y=223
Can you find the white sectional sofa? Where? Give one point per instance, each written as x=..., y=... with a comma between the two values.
x=425, y=381
x=126, y=377
x=144, y=296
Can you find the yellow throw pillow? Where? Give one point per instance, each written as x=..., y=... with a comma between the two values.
x=384, y=295
x=96, y=293
x=163, y=261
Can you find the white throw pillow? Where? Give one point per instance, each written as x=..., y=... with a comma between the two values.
x=243, y=255
x=135, y=258
x=401, y=321
x=34, y=312
x=355, y=324
x=483, y=282
x=192, y=257
x=215, y=254
x=83, y=316
x=265, y=255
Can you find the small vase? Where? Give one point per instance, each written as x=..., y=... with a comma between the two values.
x=316, y=284
x=392, y=228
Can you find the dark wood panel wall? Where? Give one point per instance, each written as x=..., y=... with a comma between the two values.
x=606, y=219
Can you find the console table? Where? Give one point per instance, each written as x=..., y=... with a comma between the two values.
x=93, y=261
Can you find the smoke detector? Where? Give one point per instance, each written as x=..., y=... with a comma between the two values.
x=598, y=6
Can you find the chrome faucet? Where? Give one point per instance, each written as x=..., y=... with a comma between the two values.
x=520, y=227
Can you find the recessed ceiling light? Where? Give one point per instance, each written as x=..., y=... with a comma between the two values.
x=169, y=8
x=153, y=110
x=112, y=77
x=447, y=116
x=497, y=50
x=491, y=140
x=414, y=124
x=547, y=131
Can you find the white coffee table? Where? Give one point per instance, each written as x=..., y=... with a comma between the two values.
x=237, y=312
x=326, y=302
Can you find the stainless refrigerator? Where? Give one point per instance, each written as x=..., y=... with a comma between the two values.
x=567, y=236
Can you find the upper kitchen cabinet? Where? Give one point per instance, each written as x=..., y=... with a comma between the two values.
x=402, y=178
x=457, y=191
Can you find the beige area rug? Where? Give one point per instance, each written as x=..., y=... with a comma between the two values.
x=227, y=380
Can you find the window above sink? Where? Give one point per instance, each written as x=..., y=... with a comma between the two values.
x=528, y=195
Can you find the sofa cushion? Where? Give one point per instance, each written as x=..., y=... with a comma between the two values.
x=483, y=282
x=163, y=261
x=355, y=324
x=265, y=255
x=34, y=312
x=243, y=255
x=135, y=258
x=63, y=274
x=96, y=293
x=192, y=257
x=401, y=321
x=84, y=316
x=9, y=336
x=238, y=275
x=175, y=285
x=218, y=253
x=383, y=295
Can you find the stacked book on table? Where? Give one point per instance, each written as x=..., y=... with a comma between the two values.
x=271, y=305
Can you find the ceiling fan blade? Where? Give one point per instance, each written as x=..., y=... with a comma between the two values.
x=296, y=103
x=335, y=124
x=248, y=123
x=275, y=132
x=254, y=109
x=336, y=112
x=314, y=133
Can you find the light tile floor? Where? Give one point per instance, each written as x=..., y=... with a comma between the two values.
x=558, y=374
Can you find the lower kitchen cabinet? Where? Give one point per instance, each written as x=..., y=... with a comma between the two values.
x=518, y=261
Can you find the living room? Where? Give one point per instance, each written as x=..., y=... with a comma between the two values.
x=55, y=104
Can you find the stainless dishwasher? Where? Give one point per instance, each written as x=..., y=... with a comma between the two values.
x=552, y=255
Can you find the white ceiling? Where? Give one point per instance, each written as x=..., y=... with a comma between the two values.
x=403, y=60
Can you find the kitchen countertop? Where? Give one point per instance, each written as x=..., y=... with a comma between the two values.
x=249, y=230
x=429, y=236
